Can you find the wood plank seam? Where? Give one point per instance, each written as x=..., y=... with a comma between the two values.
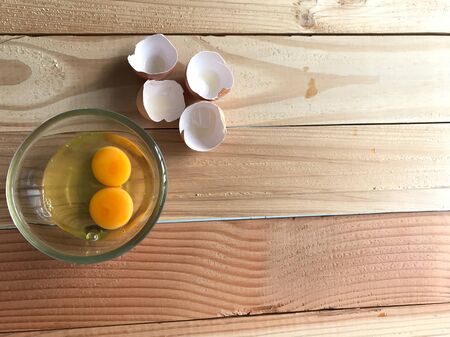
x=314, y=321
x=326, y=311
x=196, y=17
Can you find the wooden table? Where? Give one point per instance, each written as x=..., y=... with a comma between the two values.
x=324, y=213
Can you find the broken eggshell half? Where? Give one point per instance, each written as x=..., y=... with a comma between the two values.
x=154, y=57
x=202, y=126
x=161, y=100
x=208, y=76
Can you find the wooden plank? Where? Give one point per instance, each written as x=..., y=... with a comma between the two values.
x=221, y=17
x=209, y=269
x=279, y=80
x=408, y=321
x=300, y=171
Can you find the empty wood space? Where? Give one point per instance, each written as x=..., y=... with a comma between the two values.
x=224, y=17
x=406, y=321
x=278, y=80
x=300, y=171
x=233, y=268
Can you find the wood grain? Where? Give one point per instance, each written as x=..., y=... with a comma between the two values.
x=226, y=16
x=233, y=268
x=260, y=172
x=408, y=321
x=279, y=80
x=310, y=171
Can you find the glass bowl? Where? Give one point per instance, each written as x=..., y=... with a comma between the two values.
x=35, y=217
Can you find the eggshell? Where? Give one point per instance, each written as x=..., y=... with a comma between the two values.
x=161, y=100
x=202, y=126
x=154, y=57
x=208, y=76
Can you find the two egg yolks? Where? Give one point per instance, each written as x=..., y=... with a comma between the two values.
x=111, y=207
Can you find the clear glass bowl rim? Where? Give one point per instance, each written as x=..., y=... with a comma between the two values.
x=35, y=134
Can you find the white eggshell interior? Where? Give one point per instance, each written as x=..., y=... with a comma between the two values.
x=163, y=100
x=207, y=75
x=203, y=126
x=209, y=55
x=153, y=55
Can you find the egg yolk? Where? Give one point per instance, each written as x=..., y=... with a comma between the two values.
x=111, y=207
x=111, y=166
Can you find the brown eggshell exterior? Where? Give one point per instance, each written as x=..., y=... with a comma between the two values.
x=223, y=92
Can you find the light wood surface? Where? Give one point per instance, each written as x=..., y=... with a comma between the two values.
x=226, y=16
x=210, y=269
x=300, y=171
x=279, y=80
x=407, y=321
